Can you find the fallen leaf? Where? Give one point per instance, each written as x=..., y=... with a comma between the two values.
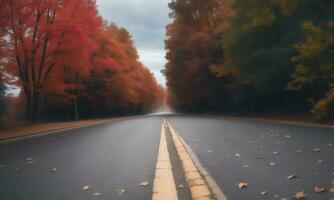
x=317, y=150
x=29, y=159
x=291, y=177
x=329, y=144
x=285, y=198
x=97, y=194
x=210, y=151
x=332, y=189
x=237, y=155
x=264, y=193
x=54, y=169
x=318, y=189
x=16, y=169
x=275, y=152
x=242, y=185
x=300, y=195
x=145, y=183
x=30, y=162
x=320, y=162
x=272, y=163
x=87, y=187
x=121, y=191
x=180, y=186
x=287, y=136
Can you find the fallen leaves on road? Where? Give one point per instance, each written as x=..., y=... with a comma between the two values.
x=210, y=151
x=121, y=191
x=85, y=188
x=316, y=150
x=97, y=194
x=264, y=193
x=237, y=155
x=145, y=183
x=242, y=185
x=54, y=169
x=275, y=152
x=318, y=189
x=30, y=160
x=272, y=163
x=16, y=169
x=291, y=177
x=285, y=198
x=320, y=162
x=300, y=195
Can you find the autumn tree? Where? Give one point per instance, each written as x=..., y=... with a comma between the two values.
x=45, y=36
x=118, y=82
x=194, y=50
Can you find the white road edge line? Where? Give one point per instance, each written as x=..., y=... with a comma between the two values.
x=164, y=187
x=215, y=189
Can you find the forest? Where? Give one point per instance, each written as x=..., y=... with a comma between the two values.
x=251, y=56
x=69, y=63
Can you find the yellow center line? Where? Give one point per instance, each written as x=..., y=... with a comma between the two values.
x=164, y=185
x=202, y=186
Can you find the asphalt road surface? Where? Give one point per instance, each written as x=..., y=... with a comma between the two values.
x=122, y=154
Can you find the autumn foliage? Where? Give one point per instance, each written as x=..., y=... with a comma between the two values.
x=69, y=63
x=250, y=56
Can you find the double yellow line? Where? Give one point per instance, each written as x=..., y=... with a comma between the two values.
x=202, y=186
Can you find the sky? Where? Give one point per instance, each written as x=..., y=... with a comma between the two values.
x=146, y=21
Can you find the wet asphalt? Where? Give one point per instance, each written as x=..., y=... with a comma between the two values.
x=269, y=153
x=122, y=154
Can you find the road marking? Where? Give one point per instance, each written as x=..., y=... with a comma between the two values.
x=164, y=187
x=201, y=184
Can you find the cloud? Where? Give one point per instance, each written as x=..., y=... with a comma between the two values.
x=146, y=21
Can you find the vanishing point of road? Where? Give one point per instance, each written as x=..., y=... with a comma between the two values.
x=183, y=156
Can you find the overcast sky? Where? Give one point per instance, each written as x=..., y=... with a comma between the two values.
x=146, y=21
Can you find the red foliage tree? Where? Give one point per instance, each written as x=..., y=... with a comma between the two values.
x=44, y=37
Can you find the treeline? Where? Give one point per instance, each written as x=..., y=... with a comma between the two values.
x=70, y=64
x=251, y=56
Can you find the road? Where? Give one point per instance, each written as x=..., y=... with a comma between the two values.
x=116, y=157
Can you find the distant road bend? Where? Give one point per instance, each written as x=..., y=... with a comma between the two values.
x=167, y=156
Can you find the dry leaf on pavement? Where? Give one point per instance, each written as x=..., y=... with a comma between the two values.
x=264, y=193
x=300, y=195
x=121, y=191
x=242, y=185
x=16, y=169
x=237, y=155
x=291, y=177
x=97, y=194
x=145, y=183
x=316, y=150
x=318, y=189
x=84, y=188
